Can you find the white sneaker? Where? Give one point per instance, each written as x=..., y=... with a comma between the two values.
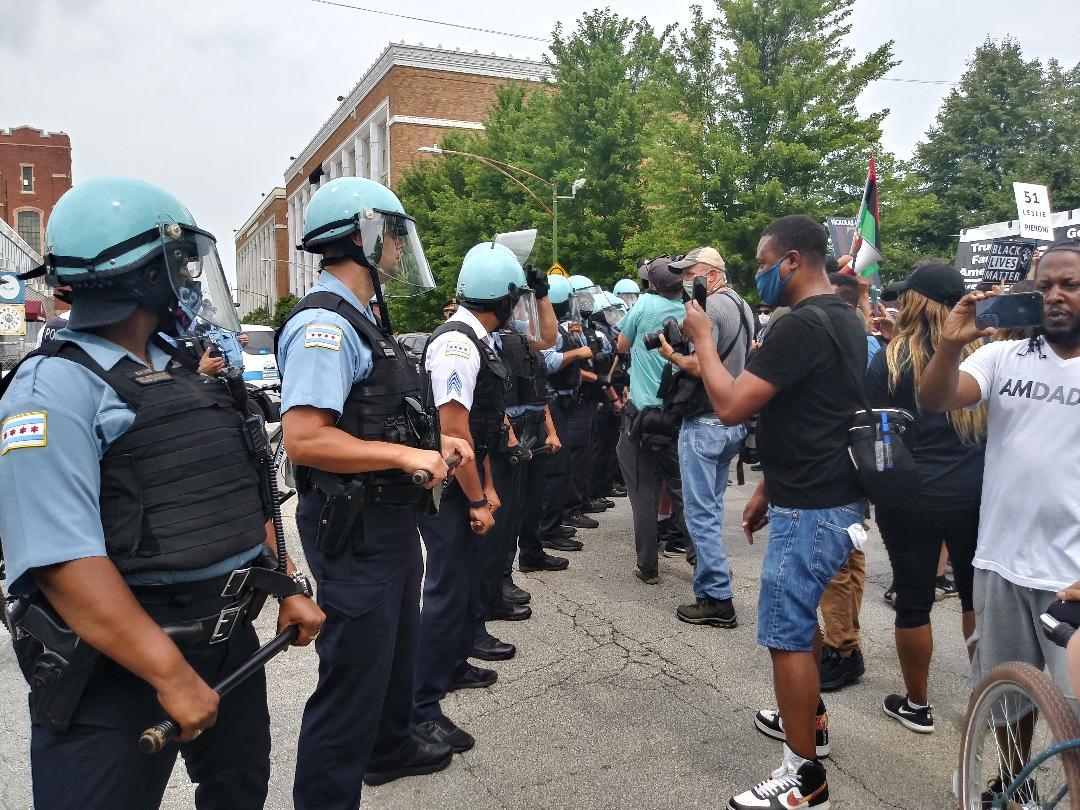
x=787, y=788
x=771, y=724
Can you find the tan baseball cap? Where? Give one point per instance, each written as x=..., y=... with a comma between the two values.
x=701, y=255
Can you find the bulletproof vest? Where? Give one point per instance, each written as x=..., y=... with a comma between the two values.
x=526, y=368
x=489, y=395
x=180, y=489
x=375, y=408
x=569, y=376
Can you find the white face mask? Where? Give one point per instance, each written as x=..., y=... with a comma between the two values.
x=763, y=318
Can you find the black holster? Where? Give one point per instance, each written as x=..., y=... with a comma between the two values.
x=344, y=502
x=55, y=661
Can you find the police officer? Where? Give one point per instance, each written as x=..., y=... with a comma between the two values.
x=608, y=310
x=564, y=362
x=466, y=381
x=353, y=425
x=627, y=290
x=129, y=500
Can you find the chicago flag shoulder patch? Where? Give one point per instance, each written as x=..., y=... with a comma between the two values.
x=322, y=336
x=23, y=430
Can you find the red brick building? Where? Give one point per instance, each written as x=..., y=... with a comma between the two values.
x=262, y=255
x=409, y=98
x=35, y=170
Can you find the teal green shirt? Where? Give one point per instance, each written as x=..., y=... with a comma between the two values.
x=647, y=315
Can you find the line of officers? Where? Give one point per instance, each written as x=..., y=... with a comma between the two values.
x=142, y=537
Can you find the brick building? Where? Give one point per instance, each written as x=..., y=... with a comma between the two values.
x=35, y=170
x=262, y=251
x=409, y=98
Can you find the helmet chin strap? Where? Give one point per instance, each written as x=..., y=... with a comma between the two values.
x=355, y=254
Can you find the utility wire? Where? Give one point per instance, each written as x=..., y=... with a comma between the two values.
x=433, y=22
x=532, y=38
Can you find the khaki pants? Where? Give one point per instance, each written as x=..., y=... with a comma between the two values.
x=841, y=603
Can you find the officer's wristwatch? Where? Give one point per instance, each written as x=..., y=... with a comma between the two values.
x=302, y=583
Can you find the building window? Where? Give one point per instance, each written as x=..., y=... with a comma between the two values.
x=384, y=157
x=28, y=179
x=28, y=224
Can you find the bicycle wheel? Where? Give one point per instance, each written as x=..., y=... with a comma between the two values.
x=1016, y=714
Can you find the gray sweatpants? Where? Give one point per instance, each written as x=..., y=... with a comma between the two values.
x=644, y=471
x=1007, y=628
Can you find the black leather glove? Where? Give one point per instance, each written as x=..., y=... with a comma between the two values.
x=537, y=281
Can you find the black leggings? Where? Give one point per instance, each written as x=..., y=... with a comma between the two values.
x=913, y=540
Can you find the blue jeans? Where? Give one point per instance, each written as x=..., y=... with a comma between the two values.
x=806, y=548
x=706, y=448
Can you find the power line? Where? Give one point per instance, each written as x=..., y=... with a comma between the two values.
x=434, y=22
x=917, y=81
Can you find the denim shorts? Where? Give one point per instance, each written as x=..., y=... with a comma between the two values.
x=806, y=548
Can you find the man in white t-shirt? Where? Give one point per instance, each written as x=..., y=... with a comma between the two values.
x=1029, y=523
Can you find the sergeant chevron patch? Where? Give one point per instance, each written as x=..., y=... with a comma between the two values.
x=23, y=430
x=453, y=384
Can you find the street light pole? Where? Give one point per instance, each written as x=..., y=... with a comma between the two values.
x=501, y=167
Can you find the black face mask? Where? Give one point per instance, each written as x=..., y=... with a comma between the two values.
x=561, y=310
x=504, y=310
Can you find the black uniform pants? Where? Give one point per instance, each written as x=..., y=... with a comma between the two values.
x=448, y=624
x=493, y=546
x=96, y=763
x=556, y=472
x=530, y=499
x=579, y=430
x=605, y=464
x=360, y=716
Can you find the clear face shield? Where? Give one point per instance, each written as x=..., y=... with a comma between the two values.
x=613, y=314
x=629, y=298
x=583, y=302
x=524, y=318
x=198, y=280
x=392, y=244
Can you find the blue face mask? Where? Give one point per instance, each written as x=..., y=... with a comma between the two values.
x=770, y=286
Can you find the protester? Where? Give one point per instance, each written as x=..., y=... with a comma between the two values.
x=647, y=448
x=800, y=382
x=707, y=445
x=948, y=452
x=1025, y=554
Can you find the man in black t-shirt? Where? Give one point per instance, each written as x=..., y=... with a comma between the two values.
x=799, y=382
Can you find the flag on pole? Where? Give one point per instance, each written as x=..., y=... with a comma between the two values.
x=866, y=247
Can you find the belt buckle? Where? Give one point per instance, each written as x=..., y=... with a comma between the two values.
x=236, y=581
x=227, y=620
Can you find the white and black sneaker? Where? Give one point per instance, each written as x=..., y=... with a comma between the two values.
x=899, y=708
x=771, y=724
x=786, y=788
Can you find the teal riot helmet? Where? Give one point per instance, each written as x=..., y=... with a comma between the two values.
x=627, y=289
x=559, y=291
x=120, y=244
x=390, y=244
x=492, y=280
x=610, y=308
x=581, y=297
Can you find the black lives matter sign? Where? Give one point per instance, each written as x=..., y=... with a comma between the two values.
x=1009, y=261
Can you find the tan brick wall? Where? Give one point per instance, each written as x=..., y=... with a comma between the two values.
x=278, y=212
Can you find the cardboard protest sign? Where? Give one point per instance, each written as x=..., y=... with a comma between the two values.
x=1033, y=206
x=973, y=251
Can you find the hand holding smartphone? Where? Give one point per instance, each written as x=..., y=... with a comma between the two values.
x=1010, y=311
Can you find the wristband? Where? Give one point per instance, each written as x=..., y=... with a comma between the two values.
x=303, y=586
x=477, y=504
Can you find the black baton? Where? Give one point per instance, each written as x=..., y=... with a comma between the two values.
x=421, y=477
x=158, y=735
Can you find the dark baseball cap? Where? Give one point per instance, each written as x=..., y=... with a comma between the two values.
x=937, y=281
x=661, y=277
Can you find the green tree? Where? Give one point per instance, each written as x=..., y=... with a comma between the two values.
x=260, y=316
x=283, y=308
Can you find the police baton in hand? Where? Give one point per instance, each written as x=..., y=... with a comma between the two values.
x=158, y=735
x=423, y=477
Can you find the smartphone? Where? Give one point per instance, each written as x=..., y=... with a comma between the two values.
x=701, y=290
x=1010, y=311
x=875, y=294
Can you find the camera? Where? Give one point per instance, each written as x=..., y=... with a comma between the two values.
x=671, y=332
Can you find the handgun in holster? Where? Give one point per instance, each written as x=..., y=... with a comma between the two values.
x=56, y=662
x=344, y=502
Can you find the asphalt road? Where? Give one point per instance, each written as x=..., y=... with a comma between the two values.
x=612, y=702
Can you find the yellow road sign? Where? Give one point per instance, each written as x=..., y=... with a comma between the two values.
x=558, y=270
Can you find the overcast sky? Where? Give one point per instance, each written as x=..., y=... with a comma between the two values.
x=209, y=98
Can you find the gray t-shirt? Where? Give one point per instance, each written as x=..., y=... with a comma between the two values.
x=726, y=311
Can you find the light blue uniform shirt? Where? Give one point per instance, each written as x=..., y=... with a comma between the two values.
x=49, y=489
x=320, y=355
x=646, y=367
x=553, y=359
x=231, y=350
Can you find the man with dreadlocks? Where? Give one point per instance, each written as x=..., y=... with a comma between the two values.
x=1025, y=554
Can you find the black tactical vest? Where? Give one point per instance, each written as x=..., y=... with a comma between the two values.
x=375, y=409
x=489, y=395
x=569, y=376
x=526, y=368
x=180, y=490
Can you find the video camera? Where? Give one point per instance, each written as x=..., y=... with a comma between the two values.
x=671, y=332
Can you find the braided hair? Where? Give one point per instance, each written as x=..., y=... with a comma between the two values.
x=1035, y=342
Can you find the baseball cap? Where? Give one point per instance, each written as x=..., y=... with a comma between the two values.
x=661, y=277
x=701, y=255
x=938, y=282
